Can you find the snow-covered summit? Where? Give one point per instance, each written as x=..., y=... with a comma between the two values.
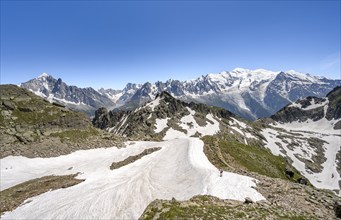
x=43, y=75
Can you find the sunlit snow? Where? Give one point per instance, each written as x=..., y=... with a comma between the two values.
x=180, y=170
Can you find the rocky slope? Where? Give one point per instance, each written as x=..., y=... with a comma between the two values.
x=250, y=94
x=86, y=100
x=31, y=126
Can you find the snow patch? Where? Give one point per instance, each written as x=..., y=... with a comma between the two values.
x=153, y=103
x=161, y=124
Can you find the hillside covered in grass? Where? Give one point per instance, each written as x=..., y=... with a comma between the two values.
x=31, y=126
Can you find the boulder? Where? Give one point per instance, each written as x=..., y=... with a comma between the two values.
x=8, y=105
x=248, y=200
x=289, y=172
x=337, y=209
x=302, y=181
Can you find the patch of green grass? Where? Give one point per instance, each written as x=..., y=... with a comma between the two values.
x=240, y=214
x=35, y=111
x=253, y=158
x=76, y=134
x=33, y=118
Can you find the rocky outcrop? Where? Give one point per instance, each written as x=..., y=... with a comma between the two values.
x=312, y=108
x=140, y=122
x=334, y=105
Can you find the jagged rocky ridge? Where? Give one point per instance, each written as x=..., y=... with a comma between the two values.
x=155, y=117
x=313, y=108
x=250, y=94
x=86, y=100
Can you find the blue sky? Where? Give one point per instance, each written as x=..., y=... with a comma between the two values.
x=109, y=43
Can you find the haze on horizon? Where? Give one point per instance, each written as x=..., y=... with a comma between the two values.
x=108, y=44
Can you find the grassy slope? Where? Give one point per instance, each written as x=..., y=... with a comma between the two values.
x=235, y=155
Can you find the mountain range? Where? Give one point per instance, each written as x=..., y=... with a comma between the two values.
x=250, y=94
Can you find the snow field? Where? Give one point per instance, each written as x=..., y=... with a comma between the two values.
x=180, y=170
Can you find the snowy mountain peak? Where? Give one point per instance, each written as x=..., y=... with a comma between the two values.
x=241, y=70
x=43, y=75
x=257, y=74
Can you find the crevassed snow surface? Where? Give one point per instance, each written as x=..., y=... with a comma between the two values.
x=180, y=170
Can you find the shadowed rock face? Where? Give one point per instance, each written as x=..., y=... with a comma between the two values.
x=303, y=109
x=334, y=105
